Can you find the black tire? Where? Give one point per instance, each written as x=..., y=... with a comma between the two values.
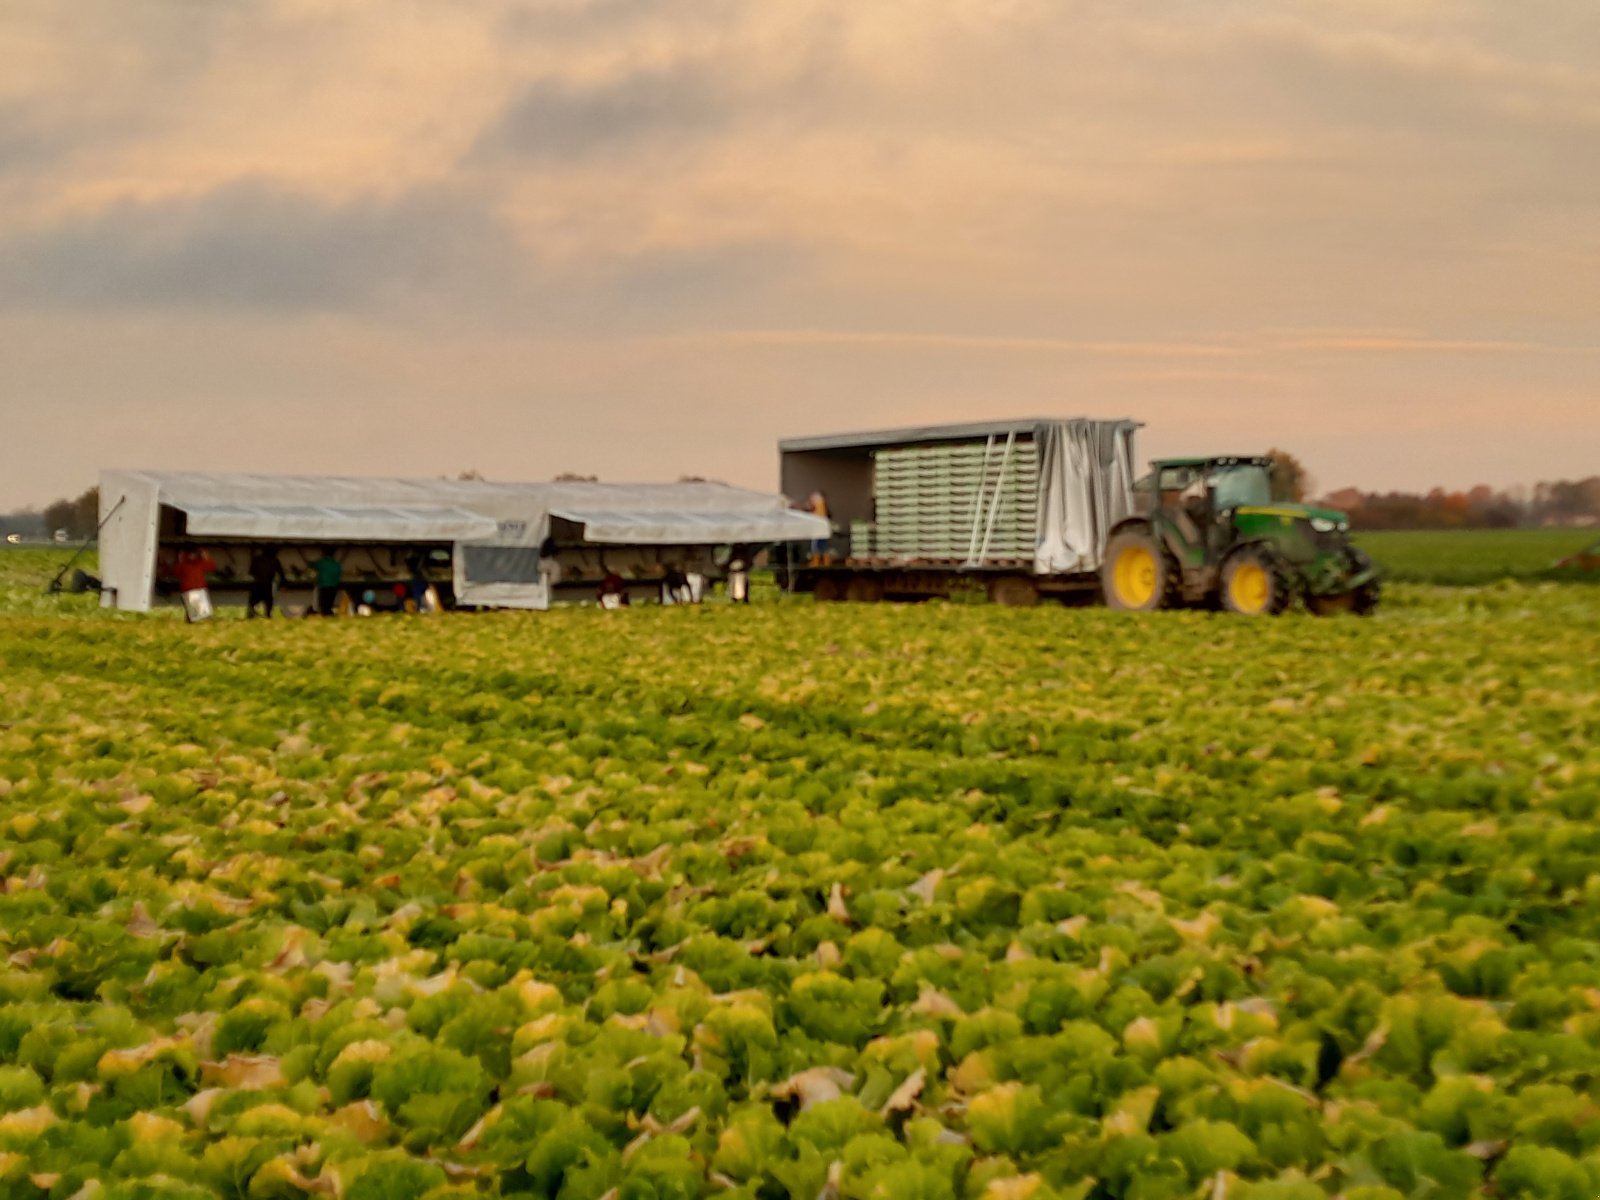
x=1255, y=583
x=1364, y=600
x=1014, y=591
x=1138, y=575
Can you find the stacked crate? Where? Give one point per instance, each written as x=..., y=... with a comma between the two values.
x=929, y=497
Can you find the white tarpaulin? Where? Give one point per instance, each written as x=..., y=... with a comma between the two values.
x=314, y=523
x=668, y=528
x=1085, y=487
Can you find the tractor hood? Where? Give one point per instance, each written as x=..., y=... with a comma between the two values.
x=1304, y=512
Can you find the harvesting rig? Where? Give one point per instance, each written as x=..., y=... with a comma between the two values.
x=1208, y=532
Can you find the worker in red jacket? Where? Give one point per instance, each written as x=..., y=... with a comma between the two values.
x=194, y=563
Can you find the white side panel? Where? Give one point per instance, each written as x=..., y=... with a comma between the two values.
x=503, y=595
x=130, y=507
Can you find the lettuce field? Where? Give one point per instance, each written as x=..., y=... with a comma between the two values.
x=833, y=903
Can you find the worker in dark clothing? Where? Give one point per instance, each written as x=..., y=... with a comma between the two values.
x=674, y=585
x=266, y=573
x=330, y=572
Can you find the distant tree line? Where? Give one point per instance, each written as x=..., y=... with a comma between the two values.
x=79, y=517
x=1564, y=502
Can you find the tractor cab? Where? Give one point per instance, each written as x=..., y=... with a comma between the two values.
x=1208, y=531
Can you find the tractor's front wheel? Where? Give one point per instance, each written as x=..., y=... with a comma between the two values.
x=1255, y=583
x=1138, y=575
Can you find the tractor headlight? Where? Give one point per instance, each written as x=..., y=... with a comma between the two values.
x=1323, y=525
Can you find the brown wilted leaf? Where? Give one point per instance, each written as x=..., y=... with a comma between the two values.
x=931, y=1002
x=198, y=1106
x=140, y=923
x=469, y=1140
x=836, y=908
x=814, y=1085
x=925, y=888
x=905, y=1096
x=1013, y=1187
x=27, y=1121
x=246, y=1072
x=363, y=1120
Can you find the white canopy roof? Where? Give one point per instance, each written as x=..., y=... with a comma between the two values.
x=679, y=528
x=343, y=524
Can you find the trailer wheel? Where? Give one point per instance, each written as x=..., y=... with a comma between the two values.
x=828, y=589
x=1014, y=591
x=864, y=589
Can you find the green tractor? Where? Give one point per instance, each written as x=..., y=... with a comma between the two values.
x=1209, y=533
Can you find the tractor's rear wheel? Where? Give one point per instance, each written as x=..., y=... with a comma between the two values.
x=1014, y=591
x=1255, y=583
x=1138, y=575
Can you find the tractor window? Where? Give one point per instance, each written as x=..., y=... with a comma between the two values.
x=1243, y=484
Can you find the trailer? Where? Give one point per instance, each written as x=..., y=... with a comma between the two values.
x=478, y=544
x=1016, y=510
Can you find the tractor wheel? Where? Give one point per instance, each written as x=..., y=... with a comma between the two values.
x=864, y=589
x=1138, y=575
x=828, y=589
x=1255, y=583
x=1014, y=591
x=1364, y=600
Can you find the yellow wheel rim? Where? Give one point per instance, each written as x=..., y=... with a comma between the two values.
x=1250, y=589
x=1135, y=576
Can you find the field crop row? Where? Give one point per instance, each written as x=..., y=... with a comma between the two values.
x=885, y=903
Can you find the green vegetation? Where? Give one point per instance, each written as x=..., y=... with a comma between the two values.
x=803, y=900
x=1474, y=556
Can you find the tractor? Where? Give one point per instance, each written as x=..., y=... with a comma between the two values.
x=1208, y=533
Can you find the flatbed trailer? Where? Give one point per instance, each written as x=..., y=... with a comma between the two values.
x=1016, y=510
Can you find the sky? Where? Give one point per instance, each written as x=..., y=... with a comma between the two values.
x=647, y=238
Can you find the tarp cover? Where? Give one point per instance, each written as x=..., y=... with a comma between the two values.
x=315, y=522
x=686, y=528
x=1085, y=487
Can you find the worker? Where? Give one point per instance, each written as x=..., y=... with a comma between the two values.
x=739, y=560
x=613, y=592
x=674, y=585
x=549, y=564
x=818, y=505
x=330, y=572
x=266, y=572
x=414, y=594
x=193, y=565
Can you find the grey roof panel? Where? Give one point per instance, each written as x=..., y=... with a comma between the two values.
x=912, y=434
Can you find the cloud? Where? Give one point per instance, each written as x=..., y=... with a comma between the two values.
x=255, y=246
x=1002, y=344
x=556, y=119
